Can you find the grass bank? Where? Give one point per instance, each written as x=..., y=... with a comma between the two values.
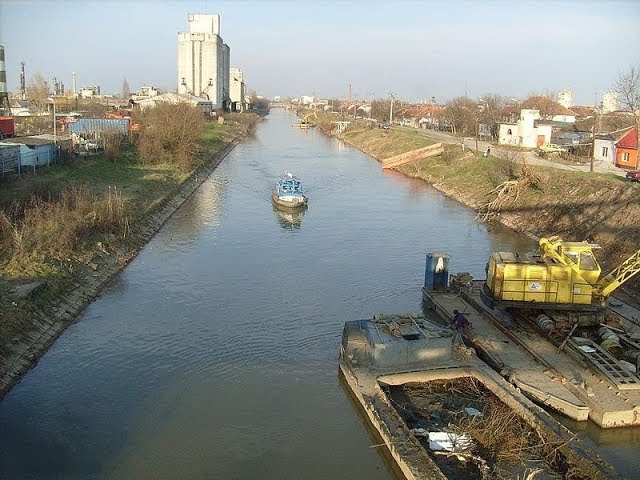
x=536, y=201
x=73, y=226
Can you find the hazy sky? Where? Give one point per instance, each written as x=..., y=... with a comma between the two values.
x=414, y=49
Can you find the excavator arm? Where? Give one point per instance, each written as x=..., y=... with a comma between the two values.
x=619, y=275
x=306, y=118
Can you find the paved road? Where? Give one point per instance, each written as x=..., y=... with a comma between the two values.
x=531, y=157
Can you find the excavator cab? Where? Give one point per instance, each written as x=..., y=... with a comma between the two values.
x=562, y=275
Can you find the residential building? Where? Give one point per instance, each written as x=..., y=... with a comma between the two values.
x=604, y=148
x=423, y=115
x=145, y=92
x=237, y=90
x=23, y=108
x=565, y=98
x=583, y=111
x=527, y=132
x=548, y=109
x=570, y=138
x=609, y=102
x=203, y=61
x=627, y=150
x=605, y=145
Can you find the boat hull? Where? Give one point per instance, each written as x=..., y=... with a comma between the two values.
x=293, y=202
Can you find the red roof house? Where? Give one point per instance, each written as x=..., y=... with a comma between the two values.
x=627, y=150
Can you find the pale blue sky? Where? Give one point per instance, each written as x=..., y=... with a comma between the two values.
x=414, y=49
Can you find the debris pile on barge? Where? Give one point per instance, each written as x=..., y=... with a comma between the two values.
x=389, y=358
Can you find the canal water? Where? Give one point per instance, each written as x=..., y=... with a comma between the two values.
x=214, y=354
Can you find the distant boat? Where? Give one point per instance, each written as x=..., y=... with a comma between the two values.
x=288, y=192
x=304, y=125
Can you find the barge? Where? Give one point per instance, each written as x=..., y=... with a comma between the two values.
x=438, y=395
x=383, y=358
x=575, y=368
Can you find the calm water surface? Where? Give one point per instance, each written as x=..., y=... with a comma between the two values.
x=214, y=354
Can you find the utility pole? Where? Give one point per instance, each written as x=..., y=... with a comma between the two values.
x=391, y=110
x=593, y=134
x=477, y=132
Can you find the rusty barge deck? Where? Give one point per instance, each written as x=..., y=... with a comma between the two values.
x=581, y=385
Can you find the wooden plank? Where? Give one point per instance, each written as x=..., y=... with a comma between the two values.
x=412, y=153
x=389, y=163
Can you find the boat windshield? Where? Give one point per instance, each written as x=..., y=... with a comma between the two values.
x=290, y=186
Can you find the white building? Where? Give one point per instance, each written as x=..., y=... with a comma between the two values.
x=203, y=60
x=173, y=98
x=307, y=100
x=565, y=98
x=526, y=132
x=146, y=92
x=90, y=92
x=237, y=90
x=604, y=148
x=609, y=102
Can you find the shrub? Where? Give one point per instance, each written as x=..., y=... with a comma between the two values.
x=170, y=133
x=52, y=229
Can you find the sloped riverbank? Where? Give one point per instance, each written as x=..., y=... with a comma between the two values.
x=539, y=201
x=35, y=311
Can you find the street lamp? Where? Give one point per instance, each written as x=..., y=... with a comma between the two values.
x=55, y=138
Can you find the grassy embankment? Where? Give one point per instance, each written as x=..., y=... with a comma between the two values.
x=57, y=222
x=538, y=201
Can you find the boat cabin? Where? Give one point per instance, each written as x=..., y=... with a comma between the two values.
x=290, y=185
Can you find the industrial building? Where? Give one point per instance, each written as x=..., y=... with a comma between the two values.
x=237, y=90
x=203, y=61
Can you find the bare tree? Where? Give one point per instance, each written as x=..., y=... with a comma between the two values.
x=38, y=91
x=126, y=92
x=543, y=103
x=462, y=114
x=628, y=88
x=491, y=114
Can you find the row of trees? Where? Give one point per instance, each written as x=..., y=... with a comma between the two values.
x=463, y=115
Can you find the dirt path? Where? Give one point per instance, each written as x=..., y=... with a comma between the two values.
x=530, y=156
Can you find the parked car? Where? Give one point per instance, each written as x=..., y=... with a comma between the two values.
x=633, y=175
x=551, y=148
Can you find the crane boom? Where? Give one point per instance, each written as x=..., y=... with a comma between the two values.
x=619, y=275
x=306, y=118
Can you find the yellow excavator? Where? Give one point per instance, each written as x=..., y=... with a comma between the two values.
x=304, y=121
x=561, y=276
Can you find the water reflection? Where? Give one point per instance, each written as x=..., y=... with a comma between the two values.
x=289, y=218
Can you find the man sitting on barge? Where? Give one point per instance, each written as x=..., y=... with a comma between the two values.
x=459, y=322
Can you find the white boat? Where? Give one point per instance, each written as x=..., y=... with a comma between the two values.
x=288, y=192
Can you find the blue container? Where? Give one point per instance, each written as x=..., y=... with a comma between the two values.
x=436, y=272
x=94, y=125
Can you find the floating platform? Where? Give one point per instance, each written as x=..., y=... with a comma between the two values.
x=388, y=351
x=581, y=383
